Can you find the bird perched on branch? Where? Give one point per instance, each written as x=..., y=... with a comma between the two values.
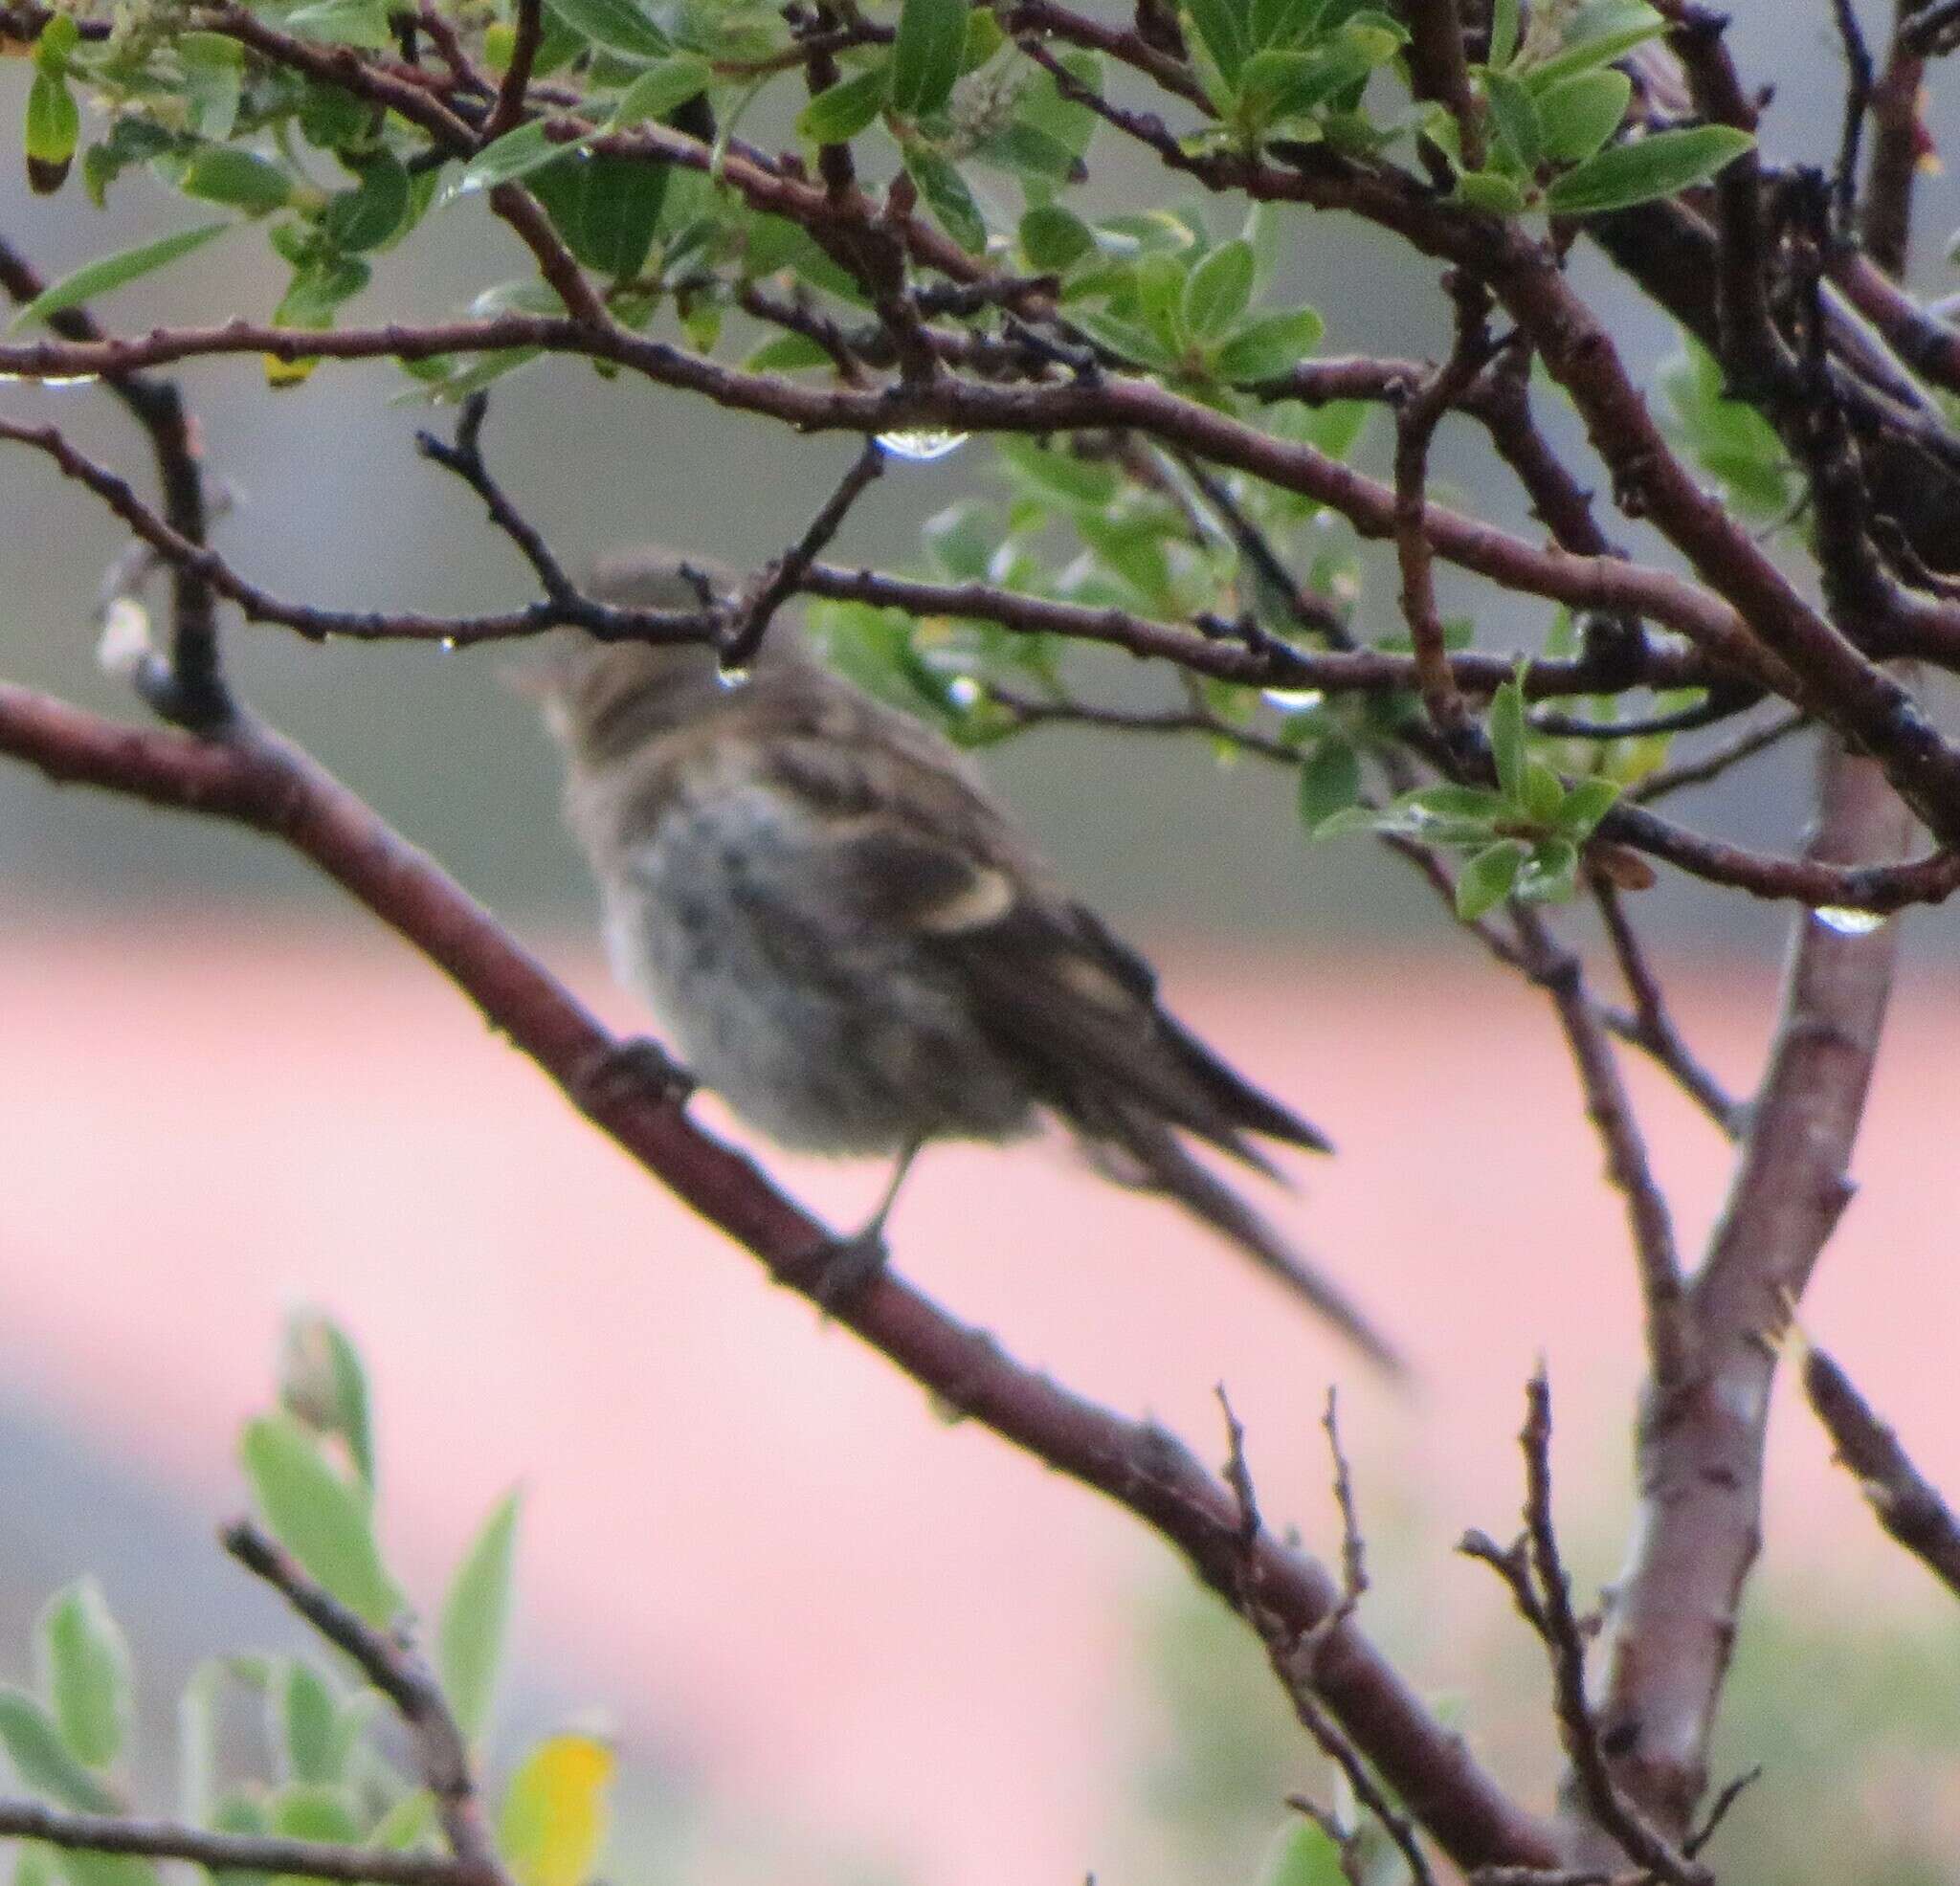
x=845, y=936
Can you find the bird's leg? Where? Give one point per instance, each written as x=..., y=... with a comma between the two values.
x=839, y=1268
x=633, y=1070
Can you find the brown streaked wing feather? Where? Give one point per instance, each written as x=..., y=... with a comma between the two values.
x=926, y=848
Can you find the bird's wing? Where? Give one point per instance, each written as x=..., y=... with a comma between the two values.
x=916, y=843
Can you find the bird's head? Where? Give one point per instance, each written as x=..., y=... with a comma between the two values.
x=600, y=697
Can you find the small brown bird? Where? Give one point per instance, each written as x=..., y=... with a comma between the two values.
x=846, y=938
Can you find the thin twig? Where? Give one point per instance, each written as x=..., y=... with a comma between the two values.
x=1654, y=1026
x=234, y=1853
x=1295, y=1655
x=785, y=576
x=1566, y=1645
x=527, y=30
x=465, y=459
x=1732, y=1791
x=1907, y=1505
x=442, y=1754
x=1663, y=1290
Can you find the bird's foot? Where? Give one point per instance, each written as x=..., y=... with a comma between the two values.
x=837, y=1270
x=636, y=1069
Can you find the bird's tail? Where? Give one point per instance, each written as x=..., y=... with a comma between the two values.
x=1158, y=1162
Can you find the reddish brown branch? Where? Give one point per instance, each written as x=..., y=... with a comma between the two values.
x=262, y=782
x=1670, y=1619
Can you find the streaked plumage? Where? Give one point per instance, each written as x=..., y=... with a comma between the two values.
x=844, y=936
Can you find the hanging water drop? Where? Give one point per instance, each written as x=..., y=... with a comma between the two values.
x=1847, y=919
x=69, y=379
x=449, y=645
x=732, y=678
x=1292, y=700
x=964, y=692
x=923, y=444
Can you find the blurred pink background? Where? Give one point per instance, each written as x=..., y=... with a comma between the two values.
x=749, y=1532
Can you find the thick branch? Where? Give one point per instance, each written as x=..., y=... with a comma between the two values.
x=262, y=782
x=1670, y=1621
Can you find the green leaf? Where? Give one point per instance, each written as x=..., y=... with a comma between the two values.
x=1580, y=113
x=1284, y=22
x=1302, y=1855
x=1341, y=824
x=306, y=1717
x=984, y=39
x=367, y=215
x=360, y=23
x=1217, y=290
x=53, y=127
x=787, y=353
x=83, y=1661
x=662, y=88
x=1504, y=31
x=58, y=39
x=1550, y=873
x=837, y=113
x=1054, y=238
x=1127, y=339
x=620, y=26
x=469, y=1650
x=1487, y=876
x=407, y=1823
x=1586, y=804
x=1543, y=792
x=1080, y=484
x=947, y=195
x=1329, y=782
x=213, y=80
x=306, y=1810
x=41, y=1758
x=1284, y=84
x=1474, y=804
x=316, y=290
x=1031, y=153
x=324, y=1386
x=317, y=1516
x=242, y=179
x=926, y=53
x=1265, y=348
x=1488, y=190
x=1645, y=171
x=1507, y=739
x=1516, y=118
x=606, y=207
x=515, y=154
x=331, y=117
x=96, y=278
x=1599, y=36
x=1225, y=28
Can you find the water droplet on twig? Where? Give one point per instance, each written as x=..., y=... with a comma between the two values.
x=923, y=444
x=1847, y=919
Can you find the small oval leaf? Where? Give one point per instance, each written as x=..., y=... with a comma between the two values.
x=927, y=52
x=1645, y=171
x=317, y=1516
